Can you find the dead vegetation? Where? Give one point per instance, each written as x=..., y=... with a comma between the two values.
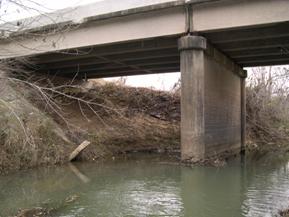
x=284, y=213
x=28, y=137
x=43, y=120
x=122, y=120
x=268, y=108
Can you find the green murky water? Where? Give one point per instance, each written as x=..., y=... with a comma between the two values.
x=150, y=187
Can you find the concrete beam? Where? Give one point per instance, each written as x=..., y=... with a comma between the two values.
x=152, y=24
x=254, y=63
x=121, y=72
x=135, y=56
x=257, y=52
x=264, y=58
x=133, y=73
x=254, y=44
x=131, y=47
x=269, y=31
x=219, y=15
x=151, y=61
x=115, y=66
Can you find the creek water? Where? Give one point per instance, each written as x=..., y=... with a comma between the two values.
x=150, y=186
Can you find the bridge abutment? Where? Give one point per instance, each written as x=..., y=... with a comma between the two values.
x=212, y=103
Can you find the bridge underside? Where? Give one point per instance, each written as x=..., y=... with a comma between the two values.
x=157, y=55
x=247, y=47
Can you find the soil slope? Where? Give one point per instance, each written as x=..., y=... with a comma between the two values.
x=114, y=118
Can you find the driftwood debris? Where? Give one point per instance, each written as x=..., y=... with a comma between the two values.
x=78, y=150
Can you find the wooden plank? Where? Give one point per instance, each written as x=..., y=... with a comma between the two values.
x=78, y=150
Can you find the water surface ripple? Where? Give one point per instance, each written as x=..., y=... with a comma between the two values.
x=149, y=187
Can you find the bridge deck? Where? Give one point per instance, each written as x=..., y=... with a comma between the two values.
x=142, y=38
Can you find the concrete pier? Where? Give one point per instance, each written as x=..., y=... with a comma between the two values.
x=243, y=113
x=212, y=101
x=193, y=97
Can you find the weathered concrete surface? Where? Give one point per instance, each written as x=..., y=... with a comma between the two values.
x=243, y=113
x=92, y=12
x=238, y=13
x=85, y=13
x=134, y=27
x=193, y=97
x=211, y=101
x=222, y=109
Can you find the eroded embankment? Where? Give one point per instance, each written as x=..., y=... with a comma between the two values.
x=42, y=126
x=43, y=121
x=28, y=136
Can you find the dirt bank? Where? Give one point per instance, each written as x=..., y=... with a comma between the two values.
x=28, y=136
x=115, y=119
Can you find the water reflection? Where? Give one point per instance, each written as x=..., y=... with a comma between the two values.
x=267, y=191
x=150, y=188
x=212, y=192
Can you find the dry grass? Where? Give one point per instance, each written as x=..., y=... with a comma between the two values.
x=28, y=137
x=114, y=118
x=138, y=120
x=159, y=104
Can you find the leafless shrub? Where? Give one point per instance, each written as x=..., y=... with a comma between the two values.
x=268, y=105
x=28, y=136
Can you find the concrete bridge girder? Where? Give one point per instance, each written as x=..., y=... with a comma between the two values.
x=221, y=15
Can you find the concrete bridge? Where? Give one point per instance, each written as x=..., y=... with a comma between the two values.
x=209, y=41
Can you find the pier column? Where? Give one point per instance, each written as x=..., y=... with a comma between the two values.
x=213, y=103
x=243, y=112
x=192, y=97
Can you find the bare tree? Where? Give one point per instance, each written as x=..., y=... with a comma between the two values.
x=14, y=71
x=268, y=104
